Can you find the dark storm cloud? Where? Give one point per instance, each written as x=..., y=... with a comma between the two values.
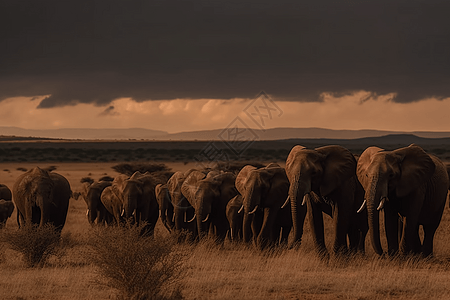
x=96, y=51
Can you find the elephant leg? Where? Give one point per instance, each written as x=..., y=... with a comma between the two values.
x=409, y=236
x=392, y=229
x=258, y=218
x=317, y=228
x=353, y=238
x=267, y=235
x=341, y=216
x=429, y=231
x=285, y=231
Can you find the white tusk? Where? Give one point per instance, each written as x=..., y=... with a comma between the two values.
x=362, y=206
x=207, y=217
x=254, y=210
x=380, y=207
x=87, y=212
x=304, y=199
x=193, y=218
x=123, y=213
x=241, y=209
x=134, y=212
x=286, y=202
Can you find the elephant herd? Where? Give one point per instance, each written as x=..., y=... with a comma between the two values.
x=263, y=205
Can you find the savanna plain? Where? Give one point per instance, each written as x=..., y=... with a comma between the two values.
x=228, y=271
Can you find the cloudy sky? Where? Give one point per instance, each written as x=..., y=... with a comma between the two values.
x=191, y=65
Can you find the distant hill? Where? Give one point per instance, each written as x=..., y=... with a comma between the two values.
x=84, y=133
x=205, y=135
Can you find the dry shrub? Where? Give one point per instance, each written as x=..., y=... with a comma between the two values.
x=87, y=179
x=36, y=244
x=139, y=267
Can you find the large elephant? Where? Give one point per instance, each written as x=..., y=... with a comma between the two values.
x=182, y=210
x=264, y=191
x=405, y=182
x=42, y=197
x=325, y=178
x=96, y=211
x=235, y=217
x=209, y=195
x=165, y=206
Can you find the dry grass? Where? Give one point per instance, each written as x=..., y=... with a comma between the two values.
x=231, y=271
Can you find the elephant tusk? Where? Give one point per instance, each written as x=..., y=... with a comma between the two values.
x=160, y=213
x=254, y=210
x=381, y=206
x=241, y=209
x=304, y=199
x=193, y=218
x=286, y=202
x=134, y=212
x=123, y=213
x=363, y=206
x=206, y=219
x=87, y=212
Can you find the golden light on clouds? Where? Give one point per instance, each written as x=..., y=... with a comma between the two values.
x=348, y=112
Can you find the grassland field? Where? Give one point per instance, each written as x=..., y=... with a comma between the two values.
x=213, y=272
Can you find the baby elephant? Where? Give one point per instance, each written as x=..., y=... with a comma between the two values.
x=6, y=205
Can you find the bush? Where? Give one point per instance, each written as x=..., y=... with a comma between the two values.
x=35, y=243
x=138, y=267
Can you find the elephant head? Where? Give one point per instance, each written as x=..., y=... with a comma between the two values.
x=261, y=188
x=319, y=170
x=92, y=199
x=385, y=174
x=165, y=205
x=131, y=192
x=209, y=195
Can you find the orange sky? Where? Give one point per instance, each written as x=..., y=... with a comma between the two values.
x=347, y=112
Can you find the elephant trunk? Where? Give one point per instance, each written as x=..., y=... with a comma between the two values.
x=130, y=208
x=374, y=193
x=202, y=215
x=251, y=202
x=298, y=189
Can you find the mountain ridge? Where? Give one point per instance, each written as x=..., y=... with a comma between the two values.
x=280, y=133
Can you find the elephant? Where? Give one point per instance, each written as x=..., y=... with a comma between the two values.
x=325, y=179
x=137, y=195
x=182, y=210
x=264, y=191
x=235, y=217
x=96, y=211
x=113, y=204
x=209, y=195
x=6, y=204
x=405, y=182
x=165, y=206
x=42, y=197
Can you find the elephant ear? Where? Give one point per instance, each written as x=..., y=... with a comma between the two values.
x=339, y=165
x=290, y=161
x=364, y=162
x=189, y=186
x=226, y=184
x=416, y=167
x=241, y=178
